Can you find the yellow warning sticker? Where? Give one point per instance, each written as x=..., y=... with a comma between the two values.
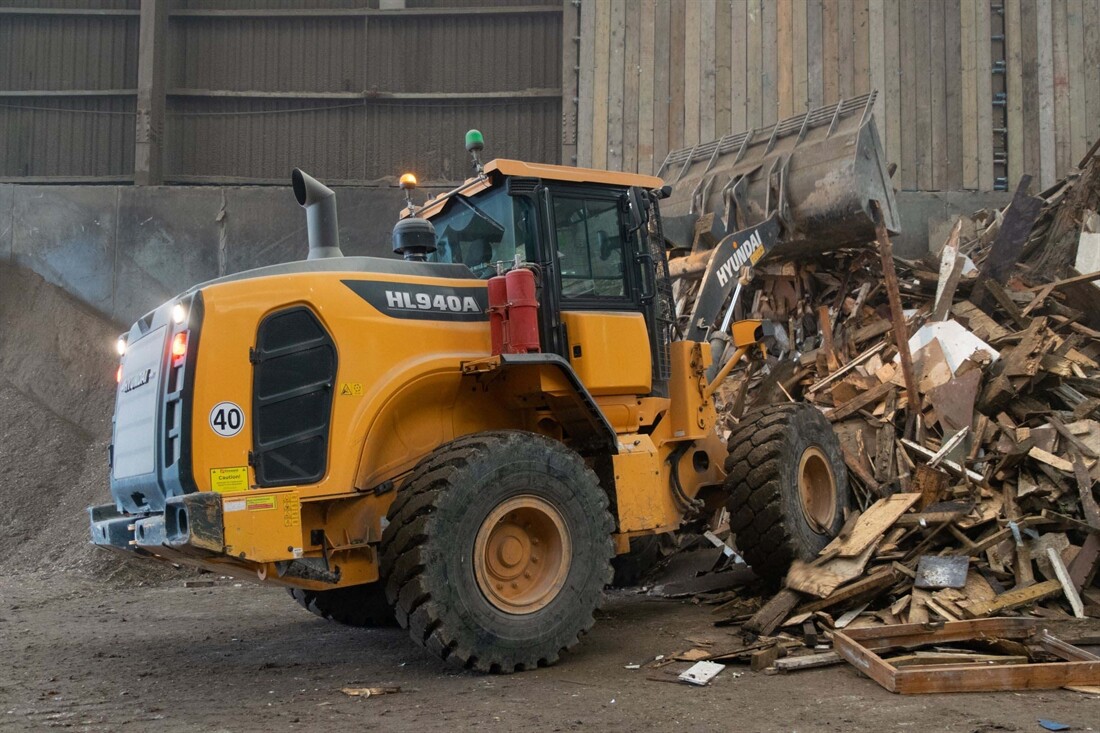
x=229, y=480
x=292, y=516
x=259, y=503
x=351, y=389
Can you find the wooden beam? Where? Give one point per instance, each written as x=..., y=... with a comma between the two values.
x=897, y=317
x=151, y=72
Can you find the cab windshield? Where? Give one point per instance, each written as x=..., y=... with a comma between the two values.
x=484, y=232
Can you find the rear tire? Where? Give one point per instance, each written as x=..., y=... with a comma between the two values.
x=497, y=551
x=788, y=487
x=355, y=605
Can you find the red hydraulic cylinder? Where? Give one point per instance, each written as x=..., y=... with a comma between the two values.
x=522, y=331
x=498, y=306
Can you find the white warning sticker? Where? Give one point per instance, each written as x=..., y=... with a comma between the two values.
x=226, y=419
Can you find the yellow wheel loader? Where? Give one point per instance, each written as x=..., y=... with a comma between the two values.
x=462, y=439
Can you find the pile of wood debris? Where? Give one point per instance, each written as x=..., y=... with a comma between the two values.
x=965, y=391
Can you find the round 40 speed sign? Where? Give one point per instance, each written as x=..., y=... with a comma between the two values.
x=226, y=419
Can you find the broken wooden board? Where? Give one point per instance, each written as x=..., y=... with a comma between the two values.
x=821, y=580
x=871, y=525
x=1015, y=599
x=808, y=661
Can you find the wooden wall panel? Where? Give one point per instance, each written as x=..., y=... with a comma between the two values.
x=665, y=74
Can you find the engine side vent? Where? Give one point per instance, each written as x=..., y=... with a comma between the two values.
x=292, y=391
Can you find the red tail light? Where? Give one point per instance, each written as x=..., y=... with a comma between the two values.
x=179, y=346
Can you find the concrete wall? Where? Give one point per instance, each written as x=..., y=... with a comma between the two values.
x=124, y=250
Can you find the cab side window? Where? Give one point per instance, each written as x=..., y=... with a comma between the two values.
x=590, y=247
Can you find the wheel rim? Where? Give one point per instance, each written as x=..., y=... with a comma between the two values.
x=522, y=554
x=817, y=489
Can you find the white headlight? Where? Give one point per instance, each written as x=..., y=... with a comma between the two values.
x=179, y=313
x=120, y=345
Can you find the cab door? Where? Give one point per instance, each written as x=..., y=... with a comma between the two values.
x=598, y=286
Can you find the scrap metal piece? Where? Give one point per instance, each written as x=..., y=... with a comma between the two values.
x=942, y=571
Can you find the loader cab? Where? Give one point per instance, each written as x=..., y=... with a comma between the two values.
x=584, y=232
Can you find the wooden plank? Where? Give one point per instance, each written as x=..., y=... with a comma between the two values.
x=808, y=661
x=631, y=87
x=830, y=50
x=821, y=579
x=1014, y=89
x=570, y=92
x=1092, y=61
x=661, y=40
x=707, y=81
x=974, y=678
x=876, y=57
x=646, y=85
x=984, y=90
x=860, y=401
x=739, y=117
x=872, y=524
x=800, y=92
x=910, y=67
x=921, y=74
x=723, y=33
x=1063, y=158
x=1068, y=588
x=773, y=613
x=764, y=658
x=1030, y=78
x=769, y=63
x=815, y=89
x=616, y=79
x=602, y=54
x=1014, y=599
x=693, y=71
x=861, y=48
x=952, y=35
x=1044, y=49
x=845, y=69
x=892, y=92
x=969, y=123
x=754, y=64
x=937, y=84
x=874, y=583
x=586, y=91
x=786, y=58
x=676, y=74
x=1075, y=48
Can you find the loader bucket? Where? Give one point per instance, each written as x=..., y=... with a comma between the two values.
x=818, y=170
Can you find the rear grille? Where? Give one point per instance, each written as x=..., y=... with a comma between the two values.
x=292, y=388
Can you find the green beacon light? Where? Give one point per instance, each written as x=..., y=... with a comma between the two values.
x=475, y=143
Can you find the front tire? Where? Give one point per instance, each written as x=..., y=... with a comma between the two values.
x=788, y=487
x=497, y=551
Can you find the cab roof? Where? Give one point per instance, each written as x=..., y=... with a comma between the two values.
x=519, y=168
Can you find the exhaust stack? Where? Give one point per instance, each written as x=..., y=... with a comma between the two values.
x=319, y=201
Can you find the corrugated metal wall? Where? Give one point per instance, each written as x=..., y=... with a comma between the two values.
x=256, y=87
x=972, y=93
x=48, y=132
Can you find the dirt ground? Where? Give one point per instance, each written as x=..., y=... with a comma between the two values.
x=87, y=655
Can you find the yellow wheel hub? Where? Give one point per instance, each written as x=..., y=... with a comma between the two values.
x=522, y=554
x=817, y=489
